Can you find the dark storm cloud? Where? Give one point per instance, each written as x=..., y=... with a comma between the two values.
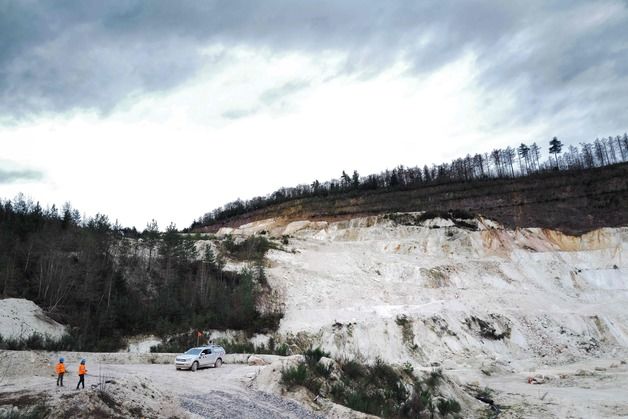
x=63, y=55
x=12, y=176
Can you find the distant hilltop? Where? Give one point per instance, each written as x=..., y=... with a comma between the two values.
x=574, y=189
x=573, y=201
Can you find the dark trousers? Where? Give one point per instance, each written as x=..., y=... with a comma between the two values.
x=81, y=381
x=60, y=380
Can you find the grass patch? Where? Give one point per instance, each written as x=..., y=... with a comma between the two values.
x=313, y=355
x=378, y=389
x=354, y=370
x=448, y=407
x=294, y=376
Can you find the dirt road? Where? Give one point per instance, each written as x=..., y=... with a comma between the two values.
x=207, y=393
x=216, y=392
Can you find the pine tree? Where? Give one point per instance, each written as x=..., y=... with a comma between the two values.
x=524, y=154
x=355, y=179
x=555, y=148
x=345, y=180
x=208, y=257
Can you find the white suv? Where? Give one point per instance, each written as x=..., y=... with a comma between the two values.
x=203, y=356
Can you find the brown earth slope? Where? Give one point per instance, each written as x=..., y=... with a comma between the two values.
x=571, y=201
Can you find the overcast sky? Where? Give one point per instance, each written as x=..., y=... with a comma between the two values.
x=166, y=110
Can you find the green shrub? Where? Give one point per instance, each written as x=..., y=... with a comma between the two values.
x=402, y=320
x=338, y=391
x=447, y=407
x=408, y=368
x=418, y=402
x=252, y=248
x=313, y=355
x=177, y=344
x=383, y=373
x=379, y=389
x=354, y=370
x=38, y=342
x=233, y=347
x=363, y=402
x=294, y=376
x=322, y=370
x=486, y=392
x=313, y=384
x=434, y=378
x=282, y=350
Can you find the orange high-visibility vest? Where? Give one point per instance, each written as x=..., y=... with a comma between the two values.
x=60, y=368
x=82, y=369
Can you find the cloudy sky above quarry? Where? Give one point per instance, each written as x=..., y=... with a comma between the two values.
x=166, y=110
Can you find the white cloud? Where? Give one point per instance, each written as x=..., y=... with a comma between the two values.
x=175, y=156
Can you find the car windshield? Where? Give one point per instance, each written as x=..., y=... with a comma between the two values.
x=193, y=351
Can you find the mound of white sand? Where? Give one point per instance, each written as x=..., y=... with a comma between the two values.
x=21, y=318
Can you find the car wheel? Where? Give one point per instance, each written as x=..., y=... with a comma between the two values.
x=218, y=363
x=194, y=366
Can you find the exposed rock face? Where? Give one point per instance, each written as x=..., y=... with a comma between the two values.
x=573, y=202
x=443, y=291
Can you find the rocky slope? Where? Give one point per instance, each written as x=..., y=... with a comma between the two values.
x=469, y=295
x=474, y=288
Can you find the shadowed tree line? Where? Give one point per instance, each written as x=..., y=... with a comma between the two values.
x=523, y=160
x=107, y=282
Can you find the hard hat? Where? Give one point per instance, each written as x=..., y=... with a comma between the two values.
x=61, y=360
x=82, y=361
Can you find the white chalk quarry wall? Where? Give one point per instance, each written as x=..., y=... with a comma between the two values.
x=438, y=293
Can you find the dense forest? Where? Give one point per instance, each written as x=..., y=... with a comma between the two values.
x=107, y=282
x=523, y=160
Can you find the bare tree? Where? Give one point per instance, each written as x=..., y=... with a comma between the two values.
x=588, y=158
x=598, y=150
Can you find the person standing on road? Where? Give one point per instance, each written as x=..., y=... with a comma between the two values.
x=60, y=370
x=81, y=372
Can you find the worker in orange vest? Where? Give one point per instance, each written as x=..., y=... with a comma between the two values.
x=60, y=370
x=81, y=372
